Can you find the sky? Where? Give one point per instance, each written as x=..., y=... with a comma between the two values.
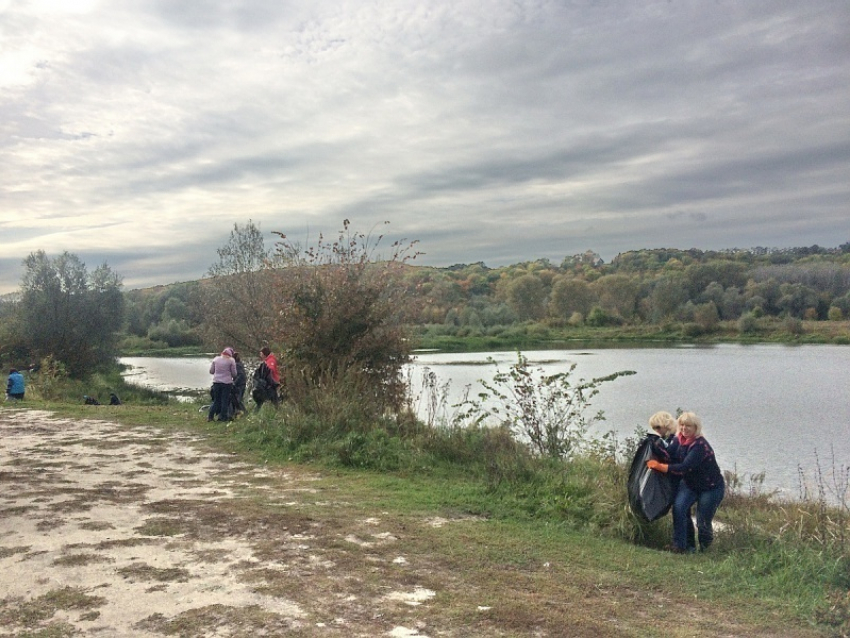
x=138, y=132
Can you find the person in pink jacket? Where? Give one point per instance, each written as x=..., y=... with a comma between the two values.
x=223, y=369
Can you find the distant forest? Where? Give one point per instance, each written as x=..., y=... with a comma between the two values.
x=689, y=293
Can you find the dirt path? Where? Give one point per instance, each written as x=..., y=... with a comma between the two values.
x=111, y=531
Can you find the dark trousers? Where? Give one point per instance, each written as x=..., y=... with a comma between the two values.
x=265, y=392
x=706, y=503
x=220, y=402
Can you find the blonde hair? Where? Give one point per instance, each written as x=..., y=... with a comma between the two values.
x=665, y=421
x=689, y=418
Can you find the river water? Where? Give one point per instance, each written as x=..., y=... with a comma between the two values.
x=765, y=408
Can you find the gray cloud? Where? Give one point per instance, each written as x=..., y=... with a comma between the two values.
x=140, y=132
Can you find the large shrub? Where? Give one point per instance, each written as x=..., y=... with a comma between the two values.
x=341, y=311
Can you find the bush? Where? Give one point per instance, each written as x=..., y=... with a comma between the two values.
x=491, y=453
x=793, y=325
x=174, y=333
x=706, y=316
x=748, y=324
x=546, y=412
x=49, y=381
x=692, y=329
x=342, y=314
x=343, y=402
x=133, y=343
x=597, y=318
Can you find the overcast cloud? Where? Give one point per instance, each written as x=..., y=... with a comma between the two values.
x=137, y=132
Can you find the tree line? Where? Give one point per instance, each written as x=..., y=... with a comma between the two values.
x=692, y=288
x=318, y=300
x=697, y=289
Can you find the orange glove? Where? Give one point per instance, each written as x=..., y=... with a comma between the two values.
x=652, y=464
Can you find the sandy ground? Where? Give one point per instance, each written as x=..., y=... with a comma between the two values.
x=112, y=531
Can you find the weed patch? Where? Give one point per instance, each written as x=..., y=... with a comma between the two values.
x=30, y=614
x=144, y=572
x=206, y=621
x=80, y=560
x=5, y=552
x=161, y=527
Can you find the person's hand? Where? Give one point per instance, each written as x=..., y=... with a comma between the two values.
x=652, y=464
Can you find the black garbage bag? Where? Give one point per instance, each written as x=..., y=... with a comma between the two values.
x=651, y=493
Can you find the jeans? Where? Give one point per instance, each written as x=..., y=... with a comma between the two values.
x=707, y=503
x=220, y=402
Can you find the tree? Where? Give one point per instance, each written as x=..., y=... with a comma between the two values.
x=724, y=273
x=570, y=295
x=175, y=310
x=341, y=313
x=526, y=294
x=617, y=294
x=706, y=316
x=13, y=347
x=70, y=315
x=666, y=296
x=796, y=299
x=238, y=307
x=765, y=294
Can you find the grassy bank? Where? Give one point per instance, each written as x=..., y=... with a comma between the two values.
x=547, y=541
x=534, y=335
x=541, y=335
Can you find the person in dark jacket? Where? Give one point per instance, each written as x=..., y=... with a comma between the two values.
x=266, y=379
x=237, y=397
x=15, y=386
x=274, y=374
x=264, y=388
x=692, y=458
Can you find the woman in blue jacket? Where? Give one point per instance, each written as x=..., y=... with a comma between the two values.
x=692, y=458
x=15, y=385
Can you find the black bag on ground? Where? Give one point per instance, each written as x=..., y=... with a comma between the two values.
x=651, y=493
x=260, y=392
